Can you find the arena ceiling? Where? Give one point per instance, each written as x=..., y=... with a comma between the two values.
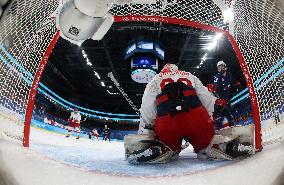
x=70, y=76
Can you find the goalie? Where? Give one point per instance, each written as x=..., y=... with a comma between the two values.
x=176, y=106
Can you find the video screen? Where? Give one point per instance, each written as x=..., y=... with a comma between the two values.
x=144, y=62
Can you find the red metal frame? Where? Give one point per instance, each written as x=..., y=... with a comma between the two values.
x=137, y=18
x=33, y=90
x=252, y=94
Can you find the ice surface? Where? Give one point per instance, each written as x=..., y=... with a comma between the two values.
x=53, y=159
x=108, y=157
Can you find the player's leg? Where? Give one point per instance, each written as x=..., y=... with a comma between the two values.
x=219, y=119
x=77, y=132
x=108, y=136
x=228, y=119
x=226, y=123
x=69, y=131
x=198, y=127
x=159, y=149
x=70, y=128
x=167, y=131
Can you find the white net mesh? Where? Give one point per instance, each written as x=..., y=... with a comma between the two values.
x=259, y=32
x=25, y=31
x=258, y=28
x=204, y=11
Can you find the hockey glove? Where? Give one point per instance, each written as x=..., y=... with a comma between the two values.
x=221, y=102
x=211, y=88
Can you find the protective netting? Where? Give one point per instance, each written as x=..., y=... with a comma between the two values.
x=26, y=29
x=258, y=27
x=204, y=11
x=259, y=32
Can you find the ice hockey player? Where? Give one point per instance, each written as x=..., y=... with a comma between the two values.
x=176, y=106
x=106, y=133
x=95, y=133
x=74, y=122
x=225, y=87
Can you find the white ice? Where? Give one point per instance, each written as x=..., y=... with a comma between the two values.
x=53, y=159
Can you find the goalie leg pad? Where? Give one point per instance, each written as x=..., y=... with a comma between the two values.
x=245, y=133
x=132, y=143
x=143, y=148
x=141, y=156
x=226, y=148
x=152, y=155
x=213, y=154
x=237, y=149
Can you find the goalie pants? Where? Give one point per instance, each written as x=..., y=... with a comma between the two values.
x=194, y=125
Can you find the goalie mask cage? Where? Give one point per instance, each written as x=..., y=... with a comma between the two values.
x=28, y=34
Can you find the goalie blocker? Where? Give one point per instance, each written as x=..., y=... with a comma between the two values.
x=228, y=144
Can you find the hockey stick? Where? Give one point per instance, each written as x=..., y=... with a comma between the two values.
x=110, y=75
x=84, y=119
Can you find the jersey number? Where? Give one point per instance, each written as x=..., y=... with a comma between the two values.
x=169, y=80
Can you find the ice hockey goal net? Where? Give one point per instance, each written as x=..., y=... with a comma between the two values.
x=27, y=30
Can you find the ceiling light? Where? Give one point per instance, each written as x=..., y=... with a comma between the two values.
x=218, y=36
x=212, y=45
x=112, y=93
x=97, y=75
x=103, y=84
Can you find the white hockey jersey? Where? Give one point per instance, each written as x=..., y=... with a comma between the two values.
x=148, y=110
x=75, y=116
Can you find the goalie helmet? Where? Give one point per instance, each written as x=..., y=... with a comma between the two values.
x=169, y=68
